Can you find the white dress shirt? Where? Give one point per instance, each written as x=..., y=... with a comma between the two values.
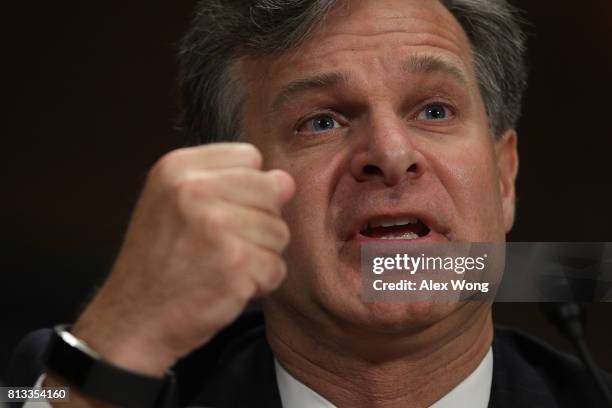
x=473, y=392
x=42, y=404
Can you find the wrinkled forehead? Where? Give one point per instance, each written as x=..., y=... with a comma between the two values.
x=425, y=22
x=357, y=34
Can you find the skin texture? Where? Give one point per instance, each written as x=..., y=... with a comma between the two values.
x=212, y=222
x=206, y=237
x=450, y=170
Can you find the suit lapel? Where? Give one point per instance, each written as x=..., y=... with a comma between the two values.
x=244, y=378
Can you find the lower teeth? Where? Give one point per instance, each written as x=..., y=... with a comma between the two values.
x=405, y=235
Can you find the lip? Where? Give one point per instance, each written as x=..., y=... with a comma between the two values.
x=432, y=237
x=436, y=232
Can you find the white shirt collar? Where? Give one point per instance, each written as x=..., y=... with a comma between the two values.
x=473, y=392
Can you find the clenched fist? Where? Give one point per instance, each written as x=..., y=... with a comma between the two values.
x=206, y=237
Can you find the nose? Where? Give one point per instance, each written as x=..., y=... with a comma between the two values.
x=387, y=154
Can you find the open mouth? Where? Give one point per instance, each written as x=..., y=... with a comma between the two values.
x=405, y=228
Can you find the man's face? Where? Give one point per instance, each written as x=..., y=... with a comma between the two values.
x=379, y=119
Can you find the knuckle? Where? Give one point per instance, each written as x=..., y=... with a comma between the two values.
x=276, y=273
x=237, y=259
x=251, y=153
x=164, y=169
x=187, y=191
x=186, y=188
x=182, y=194
x=229, y=277
x=283, y=233
x=280, y=270
x=244, y=290
x=213, y=221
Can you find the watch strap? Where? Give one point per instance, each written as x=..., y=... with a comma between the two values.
x=74, y=361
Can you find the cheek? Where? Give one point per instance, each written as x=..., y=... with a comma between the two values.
x=312, y=246
x=316, y=174
x=305, y=213
x=470, y=177
x=308, y=211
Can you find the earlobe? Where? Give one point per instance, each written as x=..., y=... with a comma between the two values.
x=507, y=170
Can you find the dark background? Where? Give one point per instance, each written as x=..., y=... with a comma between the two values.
x=90, y=104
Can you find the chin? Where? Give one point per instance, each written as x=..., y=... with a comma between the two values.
x=390, y=316
x=340, y=296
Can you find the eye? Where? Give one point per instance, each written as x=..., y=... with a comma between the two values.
x=319, y=123
x=435, y=112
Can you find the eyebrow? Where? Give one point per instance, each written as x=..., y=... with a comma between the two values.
x=429, y=64
x=320, y=81
x=418, y=64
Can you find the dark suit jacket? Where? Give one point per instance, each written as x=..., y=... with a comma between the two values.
x=236, y=370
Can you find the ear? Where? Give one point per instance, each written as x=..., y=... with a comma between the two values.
x=507, y=169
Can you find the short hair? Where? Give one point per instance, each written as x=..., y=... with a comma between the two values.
x=223, y=31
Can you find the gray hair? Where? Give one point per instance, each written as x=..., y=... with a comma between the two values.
x=223, y=31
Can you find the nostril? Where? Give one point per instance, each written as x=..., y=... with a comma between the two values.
x=412, y=169
x=372, y=170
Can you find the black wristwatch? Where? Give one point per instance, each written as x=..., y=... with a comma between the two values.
x=77, y=363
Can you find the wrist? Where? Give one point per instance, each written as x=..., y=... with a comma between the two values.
x=73, y=360
x=128, y=349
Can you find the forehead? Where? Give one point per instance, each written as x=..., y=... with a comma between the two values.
x=365, y=35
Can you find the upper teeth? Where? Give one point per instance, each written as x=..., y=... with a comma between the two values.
x=391, y=222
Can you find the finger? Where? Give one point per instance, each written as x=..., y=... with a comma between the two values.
x=257, y=227
x=268, y=270
x=286, y=183
x=208, y=157
x=251, y=188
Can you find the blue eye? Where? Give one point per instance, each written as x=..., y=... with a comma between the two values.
x=435, y=112
x=321, y=123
